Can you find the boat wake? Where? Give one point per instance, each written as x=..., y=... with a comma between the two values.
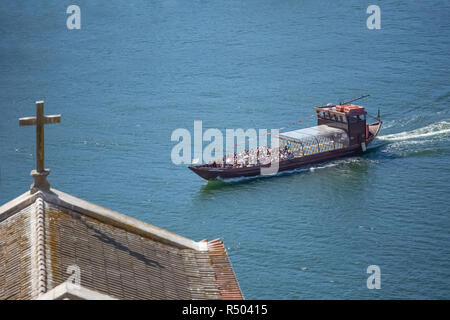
x=440, y=129
x=425, y=141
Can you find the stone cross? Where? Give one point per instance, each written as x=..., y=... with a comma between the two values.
x=40, y=174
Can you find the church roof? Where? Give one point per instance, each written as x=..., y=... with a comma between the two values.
x=48, y=237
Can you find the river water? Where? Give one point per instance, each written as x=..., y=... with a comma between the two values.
x=137, y=70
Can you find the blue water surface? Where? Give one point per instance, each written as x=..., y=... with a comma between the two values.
x=137, y=70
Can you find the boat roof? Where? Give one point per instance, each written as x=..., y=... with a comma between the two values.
x=317, y=131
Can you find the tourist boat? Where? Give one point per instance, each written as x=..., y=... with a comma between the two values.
x=341, y=131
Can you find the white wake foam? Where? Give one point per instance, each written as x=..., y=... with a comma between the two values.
x=440, y=128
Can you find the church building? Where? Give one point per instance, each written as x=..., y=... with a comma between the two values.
x=56, y=246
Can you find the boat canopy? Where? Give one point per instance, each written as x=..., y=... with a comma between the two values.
x=313, y=140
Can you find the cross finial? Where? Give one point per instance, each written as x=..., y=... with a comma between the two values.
x=40, y=174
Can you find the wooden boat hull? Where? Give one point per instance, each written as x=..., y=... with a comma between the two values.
x=211, y=173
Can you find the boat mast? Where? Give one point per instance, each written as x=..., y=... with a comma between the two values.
x=361, y=97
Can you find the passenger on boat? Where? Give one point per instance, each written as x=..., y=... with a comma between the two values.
x=262, y=155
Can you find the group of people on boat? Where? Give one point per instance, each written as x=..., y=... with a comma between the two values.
x=248, y=158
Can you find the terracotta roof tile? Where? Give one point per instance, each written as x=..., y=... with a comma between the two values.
x=118, y=256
